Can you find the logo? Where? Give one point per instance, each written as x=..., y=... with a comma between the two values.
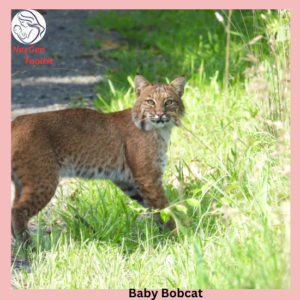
x=28, y=26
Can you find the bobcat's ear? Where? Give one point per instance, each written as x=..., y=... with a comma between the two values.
x=179, y=84
x=140, y=83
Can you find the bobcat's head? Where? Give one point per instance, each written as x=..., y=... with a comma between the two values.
x=158, y=105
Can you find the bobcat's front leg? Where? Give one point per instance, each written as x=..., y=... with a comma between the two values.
x=155, y=197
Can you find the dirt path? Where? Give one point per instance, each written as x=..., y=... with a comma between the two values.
x=72, y=74
x=52, y=87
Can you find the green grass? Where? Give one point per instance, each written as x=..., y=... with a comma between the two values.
x=227, y=174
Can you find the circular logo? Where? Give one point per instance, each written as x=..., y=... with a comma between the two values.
x=28, y=26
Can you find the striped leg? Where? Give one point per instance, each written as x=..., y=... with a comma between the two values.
x=132, y=192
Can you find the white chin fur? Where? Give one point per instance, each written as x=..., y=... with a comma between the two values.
x=162, y=125
x=147, y=125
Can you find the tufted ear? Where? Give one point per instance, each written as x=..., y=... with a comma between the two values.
x=140, y=83
x=179, y=84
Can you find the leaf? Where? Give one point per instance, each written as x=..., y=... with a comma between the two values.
x=193, y=202
x=206, y=186
x=173, y=284
x=131, y=82
x=235, y=33
x=181, y=208
x=196, y=191
x=225, y=200
x=111, y=87
x=165, y=214
x=231, y=187
x=233, y=153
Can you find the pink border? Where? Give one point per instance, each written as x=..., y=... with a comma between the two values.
x=5, y=21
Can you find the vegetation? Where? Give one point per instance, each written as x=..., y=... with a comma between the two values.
x=228, y=171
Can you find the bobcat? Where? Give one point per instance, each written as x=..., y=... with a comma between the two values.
x=127, y=147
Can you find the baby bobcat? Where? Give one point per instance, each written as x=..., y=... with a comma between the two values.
x=128, y=147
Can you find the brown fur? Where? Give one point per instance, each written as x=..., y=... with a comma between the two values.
x=125, y=147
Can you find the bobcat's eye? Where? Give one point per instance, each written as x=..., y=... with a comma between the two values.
x=169, y=102
x=150, y=102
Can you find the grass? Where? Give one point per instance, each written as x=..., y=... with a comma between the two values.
x=227, y=174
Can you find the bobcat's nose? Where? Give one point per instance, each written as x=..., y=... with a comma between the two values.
x=160, y=114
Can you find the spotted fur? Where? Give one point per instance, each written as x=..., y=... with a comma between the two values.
x=127, y=147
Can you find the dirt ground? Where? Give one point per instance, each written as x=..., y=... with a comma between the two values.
x=69, y=79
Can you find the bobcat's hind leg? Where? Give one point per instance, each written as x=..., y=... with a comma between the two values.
x=34, y=197
x=17, y=191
